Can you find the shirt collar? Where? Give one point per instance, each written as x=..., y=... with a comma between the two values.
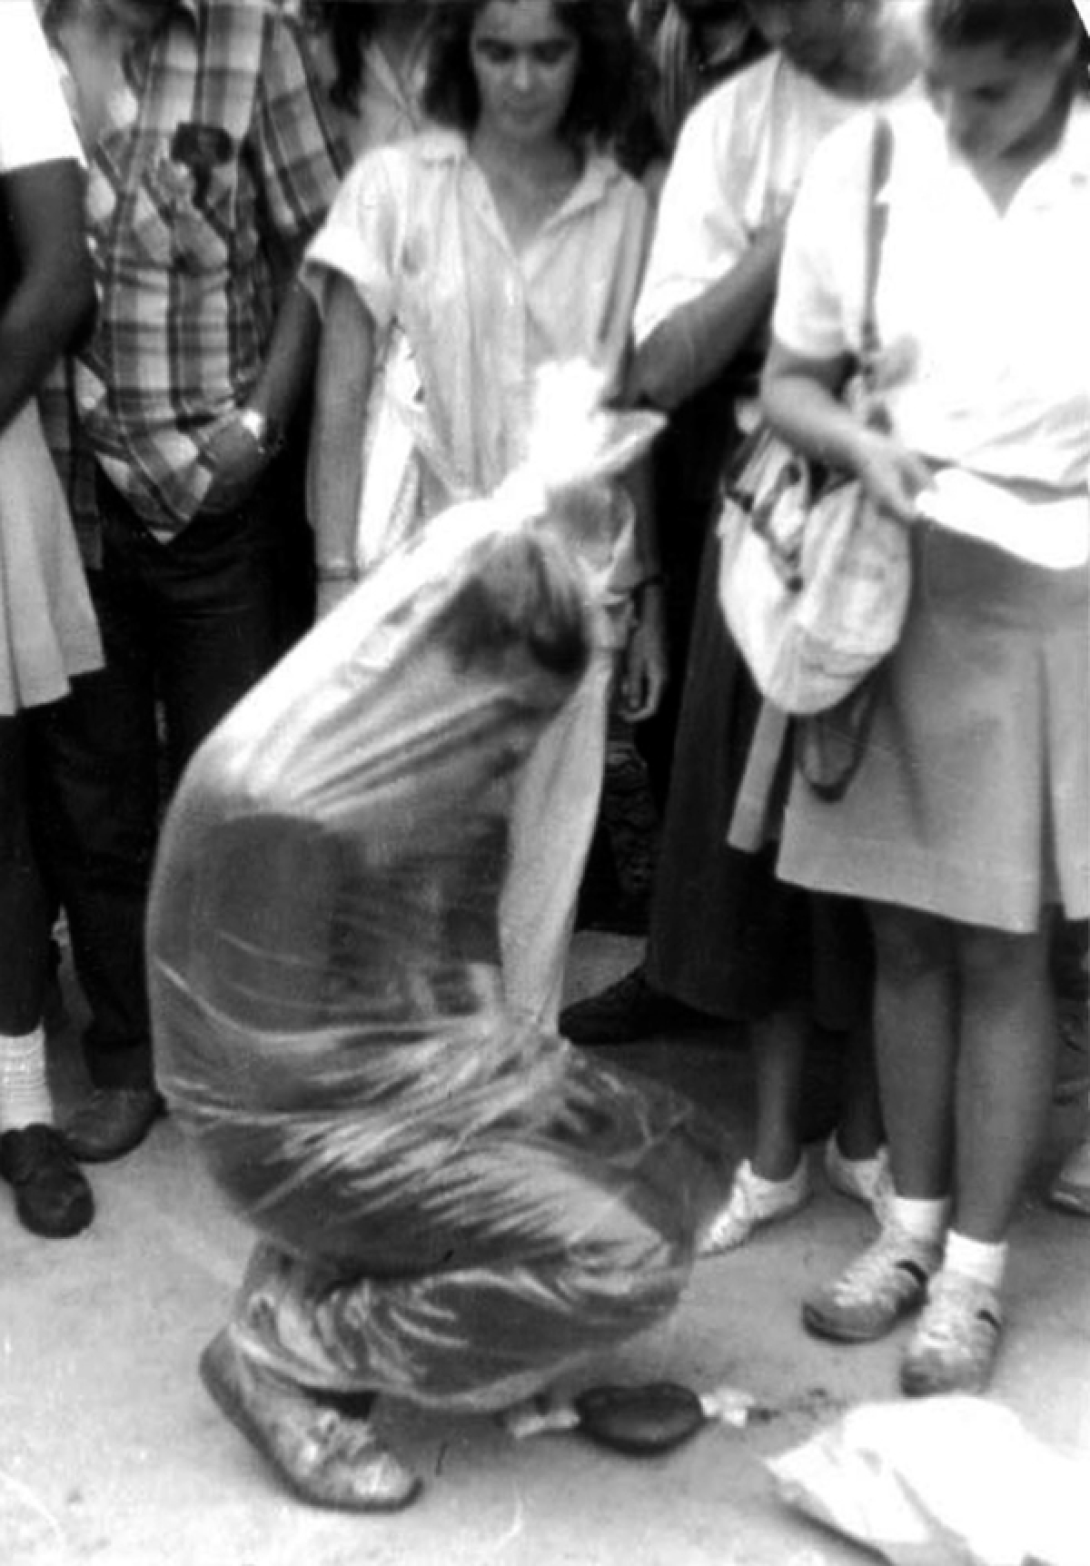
x=440, y=145
x=1071, y=159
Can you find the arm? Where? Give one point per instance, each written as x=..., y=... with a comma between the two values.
x=712, y=270
x=238, y=459
x=800, y=397
x=645, y=667
x=54, y=294
x=345, y=373
x=697, y=341
x=297, y=166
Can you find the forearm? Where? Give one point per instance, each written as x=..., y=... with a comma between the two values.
x=802, y=404
x=807, y=414
x=289, y=361
x=637, y=483
x=345, y=371
x=694, y=344
x=54, y=295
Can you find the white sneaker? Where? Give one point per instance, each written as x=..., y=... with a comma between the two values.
x=1071, y=1187
x=956, y=1340
x=870, y=1296
x=754, y=1201
x=865, y=1180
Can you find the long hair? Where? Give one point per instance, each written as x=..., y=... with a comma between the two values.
x=348, y=26
x=610, y=84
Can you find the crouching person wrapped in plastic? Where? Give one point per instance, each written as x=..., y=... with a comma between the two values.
x=452, y=1211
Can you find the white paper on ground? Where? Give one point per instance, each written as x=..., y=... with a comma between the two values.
x=941, y=1481
x=1054, y=534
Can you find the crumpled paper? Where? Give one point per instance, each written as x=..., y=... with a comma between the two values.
x=947, y=1481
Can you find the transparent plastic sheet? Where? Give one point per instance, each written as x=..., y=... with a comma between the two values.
x=453, y=1210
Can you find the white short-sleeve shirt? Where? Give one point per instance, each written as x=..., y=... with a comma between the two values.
x=35, y=126
x=737, y=166
x=415, y=229
x=984, y=317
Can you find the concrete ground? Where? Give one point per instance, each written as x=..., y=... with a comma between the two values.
x=110, y=1452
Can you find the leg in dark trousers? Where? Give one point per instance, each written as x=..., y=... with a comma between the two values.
x=192, y=623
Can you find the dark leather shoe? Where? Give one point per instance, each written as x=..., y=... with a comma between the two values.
x=52, y=1197
x=111, y=1122
x=626, y=1012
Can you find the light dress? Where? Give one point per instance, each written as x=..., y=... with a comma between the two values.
x=416, y=230
x=48, y=631
x=973, y=796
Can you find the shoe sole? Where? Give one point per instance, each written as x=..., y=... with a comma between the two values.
x=1070, y=1201
x=68, y=1232
x=835, y=1332
x=921, y=1383
x=216, y=1379
x=924, y=1386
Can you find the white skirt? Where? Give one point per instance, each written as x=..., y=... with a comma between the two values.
x=48, y=631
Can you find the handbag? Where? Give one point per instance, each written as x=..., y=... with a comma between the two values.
x=814, y=579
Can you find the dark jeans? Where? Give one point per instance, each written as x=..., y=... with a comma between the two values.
x=188, y=627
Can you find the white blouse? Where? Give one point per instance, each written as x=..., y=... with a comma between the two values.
x=984, y=316
x=35, y=126
x=739, y=159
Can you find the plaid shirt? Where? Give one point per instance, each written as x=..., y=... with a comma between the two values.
x=213, y=164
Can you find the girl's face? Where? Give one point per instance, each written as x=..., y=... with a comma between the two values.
x=995, y=105
x=525, y=61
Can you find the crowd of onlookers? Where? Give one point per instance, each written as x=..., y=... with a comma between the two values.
x=276, y=280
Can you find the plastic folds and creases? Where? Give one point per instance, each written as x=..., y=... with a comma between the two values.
x=328, y=1001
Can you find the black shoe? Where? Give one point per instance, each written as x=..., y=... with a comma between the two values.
x=626, y=1012
x=625, y=913
x=52, y=1197
x=112, y=1122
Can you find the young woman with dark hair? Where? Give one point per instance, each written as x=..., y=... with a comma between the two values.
x=607, y=90
x=965, y=827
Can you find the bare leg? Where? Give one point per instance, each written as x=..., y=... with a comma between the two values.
x=916, y=1038
x=860, y=1134
x=1005, y=1073
x=779, y=1046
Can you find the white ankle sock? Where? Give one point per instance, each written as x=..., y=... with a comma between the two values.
x=982, y=1260
x=921, y=1219
x=25, y=1099
x=761, y=1185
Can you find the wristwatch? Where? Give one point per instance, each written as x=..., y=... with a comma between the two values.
x=266, y=435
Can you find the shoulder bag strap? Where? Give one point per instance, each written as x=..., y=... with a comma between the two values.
x=877, y=222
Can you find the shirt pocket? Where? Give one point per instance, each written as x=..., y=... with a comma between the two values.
x=184, y=208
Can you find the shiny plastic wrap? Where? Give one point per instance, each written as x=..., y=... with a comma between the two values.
x=457, y=1208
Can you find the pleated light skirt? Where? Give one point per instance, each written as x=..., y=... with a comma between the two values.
x=972, y=800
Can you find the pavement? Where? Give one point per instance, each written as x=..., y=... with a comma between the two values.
x=110, y=1452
